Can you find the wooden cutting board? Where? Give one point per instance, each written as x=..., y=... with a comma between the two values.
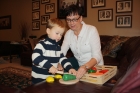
x=70, y=82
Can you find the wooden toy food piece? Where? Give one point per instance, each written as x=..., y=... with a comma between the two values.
x=91, y=71
x=67, y=77
x=94, y=68
x=103, y=71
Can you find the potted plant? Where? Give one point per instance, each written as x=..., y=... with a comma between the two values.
x=24, y=30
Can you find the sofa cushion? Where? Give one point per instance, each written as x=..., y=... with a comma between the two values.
x=113, y=46
x=104, y=40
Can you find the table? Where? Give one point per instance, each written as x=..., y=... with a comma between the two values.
x=5, y=89
x=56, y=87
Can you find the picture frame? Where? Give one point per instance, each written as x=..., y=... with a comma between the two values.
x=98, y=3
x=36, y=15
x=45, y=1
x=105, y=15
x=123, y=21
x=61, y=5
x=44, y=19
x=50, y=8
x=5, y=22
x=35, y=25
x=124, y=6
x=35, y=5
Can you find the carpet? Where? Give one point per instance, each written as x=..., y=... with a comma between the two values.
x=15, y=77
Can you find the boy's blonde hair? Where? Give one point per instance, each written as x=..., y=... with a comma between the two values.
x=52, y=22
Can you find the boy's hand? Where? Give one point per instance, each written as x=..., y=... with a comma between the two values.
x=59, y=67
x=73, y=71
x=53, y=70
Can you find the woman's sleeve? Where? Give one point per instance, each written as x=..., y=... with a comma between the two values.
x=65, y=44
x=95, y=45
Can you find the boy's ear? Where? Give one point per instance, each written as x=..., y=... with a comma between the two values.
x=48, y=31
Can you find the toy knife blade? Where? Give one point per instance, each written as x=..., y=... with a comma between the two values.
x=60, y=72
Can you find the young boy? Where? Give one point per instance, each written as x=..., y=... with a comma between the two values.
x=47, y=53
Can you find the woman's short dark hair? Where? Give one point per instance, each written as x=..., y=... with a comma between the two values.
x=73, y=10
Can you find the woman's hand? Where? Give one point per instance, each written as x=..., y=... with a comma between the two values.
x=81, y=71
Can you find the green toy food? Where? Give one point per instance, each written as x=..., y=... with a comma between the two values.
x=67, y=77
x=92, y=70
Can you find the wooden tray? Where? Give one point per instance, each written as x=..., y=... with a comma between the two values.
x=100, y=79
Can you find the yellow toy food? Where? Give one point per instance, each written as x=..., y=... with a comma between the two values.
x=58, y=76
x=50, y=79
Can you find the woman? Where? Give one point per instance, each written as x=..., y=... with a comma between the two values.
x=83, y=40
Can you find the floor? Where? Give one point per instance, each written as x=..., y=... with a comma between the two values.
x=15, y=63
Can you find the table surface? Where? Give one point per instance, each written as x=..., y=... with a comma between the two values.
x=56, y=87
x=5, y=89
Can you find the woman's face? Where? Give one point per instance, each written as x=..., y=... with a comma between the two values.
x=74, y=22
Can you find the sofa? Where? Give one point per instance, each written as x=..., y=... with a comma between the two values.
x=128, y=53
x=123, y=52
x=116, y=51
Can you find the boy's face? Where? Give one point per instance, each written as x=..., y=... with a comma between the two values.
x=55, y=33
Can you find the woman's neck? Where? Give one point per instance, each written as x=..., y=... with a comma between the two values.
x=77, y=32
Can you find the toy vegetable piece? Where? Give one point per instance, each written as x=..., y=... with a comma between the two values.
x=93, y=70
x=103, y=71
x=50, y=79
x=67, y=77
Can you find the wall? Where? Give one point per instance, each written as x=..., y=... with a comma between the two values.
x=21, y=10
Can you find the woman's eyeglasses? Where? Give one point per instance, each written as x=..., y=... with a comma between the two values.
x=73, y=20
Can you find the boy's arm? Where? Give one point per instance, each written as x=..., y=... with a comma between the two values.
x=59, y=67
x=65, y=63
x=38, y=59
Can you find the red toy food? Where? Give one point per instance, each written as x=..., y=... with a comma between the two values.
x=103, y=71
x=94, y=68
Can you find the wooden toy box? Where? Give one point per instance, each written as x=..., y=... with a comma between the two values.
x=100, y=79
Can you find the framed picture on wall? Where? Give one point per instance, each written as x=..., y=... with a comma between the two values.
x=124, y=6
x=98, y=3
x=45, y=1
x=35, y=5
x=123, y=21
x=35, y=25
x=44, y=19
x=50, y=8
x=105, y=15
x=5, y=22
x=36, y=15
x=62, y=4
